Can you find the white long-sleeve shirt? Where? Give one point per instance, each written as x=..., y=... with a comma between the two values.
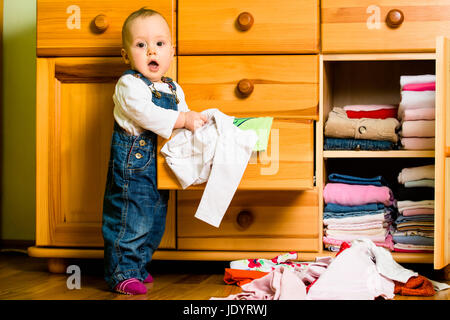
x=135, y=112
x=217, y=153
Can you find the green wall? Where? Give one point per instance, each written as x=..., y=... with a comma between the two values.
x=17, y=216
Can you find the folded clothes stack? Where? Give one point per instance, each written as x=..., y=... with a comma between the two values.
x=417, y=112
x=362, y=127
x=356, y=208
x=414, y=230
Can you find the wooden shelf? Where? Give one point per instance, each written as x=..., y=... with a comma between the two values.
x=379, y=154
x=64, y=253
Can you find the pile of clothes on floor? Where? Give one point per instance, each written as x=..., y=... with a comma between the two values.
x=416, y=112
x=362, y=127
x=359, y=271
x=355, y=207
x=415, y=201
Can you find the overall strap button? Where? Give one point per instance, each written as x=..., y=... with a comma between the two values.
x=138, y=155
x=142, y=143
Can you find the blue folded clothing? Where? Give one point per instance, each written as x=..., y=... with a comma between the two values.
x=357, y=144
x=338, y=215
x=402, y=218
x=417, y=240
x=342, y=178
x=334, y=207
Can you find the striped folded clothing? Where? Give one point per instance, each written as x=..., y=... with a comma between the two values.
x=400, y=247
x=428, y=234
x=416, y=226
x=358, y=219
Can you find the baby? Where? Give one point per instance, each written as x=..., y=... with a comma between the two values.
x=146, y=104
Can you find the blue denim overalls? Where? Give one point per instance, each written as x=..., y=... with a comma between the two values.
x=134, y=211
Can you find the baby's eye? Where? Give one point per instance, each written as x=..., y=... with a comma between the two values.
x=140, y=45
x=160, y=43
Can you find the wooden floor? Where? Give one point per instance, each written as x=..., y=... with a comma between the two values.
x=26, y=278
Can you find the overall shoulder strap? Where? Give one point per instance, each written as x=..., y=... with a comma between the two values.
x=170, y=82
x=138, y=75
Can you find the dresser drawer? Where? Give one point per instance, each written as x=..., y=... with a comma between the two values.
x=252, y=26
x=286, y=85
x=288, y=163
x=254, y=221
x=89, y=28
x=367, y=26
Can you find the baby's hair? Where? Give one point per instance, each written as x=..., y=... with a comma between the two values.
x=141, y=13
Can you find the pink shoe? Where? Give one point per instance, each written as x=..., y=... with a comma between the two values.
x=130, y=286
x=149, y=279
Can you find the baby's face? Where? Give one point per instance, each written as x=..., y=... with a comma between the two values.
x=149, y=47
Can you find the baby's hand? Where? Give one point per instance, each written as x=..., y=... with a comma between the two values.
x=194, y=120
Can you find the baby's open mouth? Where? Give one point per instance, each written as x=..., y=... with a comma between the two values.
x=153, y=66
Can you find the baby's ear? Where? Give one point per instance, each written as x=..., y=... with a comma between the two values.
x=125, y=57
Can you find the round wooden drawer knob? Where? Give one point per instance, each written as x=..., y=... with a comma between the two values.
x=245, y=87
x=245, y=21
x=100, y=23
x=394, y=18
x=244, y=219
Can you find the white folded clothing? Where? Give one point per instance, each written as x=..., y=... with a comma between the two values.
x=355, y=226
x=416, y=173
x=416, y=100
x=357, y=219
x=409, y=204
x=369, y=232
x=424, y=78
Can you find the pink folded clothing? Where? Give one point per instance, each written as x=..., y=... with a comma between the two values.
x=418, y=114
x=387, y=243
x=417, y=211
x=419, y=86
x=418, y=128
x=353, y=194
x=413, y=250
x=417, y=143
x=368, y=107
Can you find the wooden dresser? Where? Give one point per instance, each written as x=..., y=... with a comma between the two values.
x=289, y=60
